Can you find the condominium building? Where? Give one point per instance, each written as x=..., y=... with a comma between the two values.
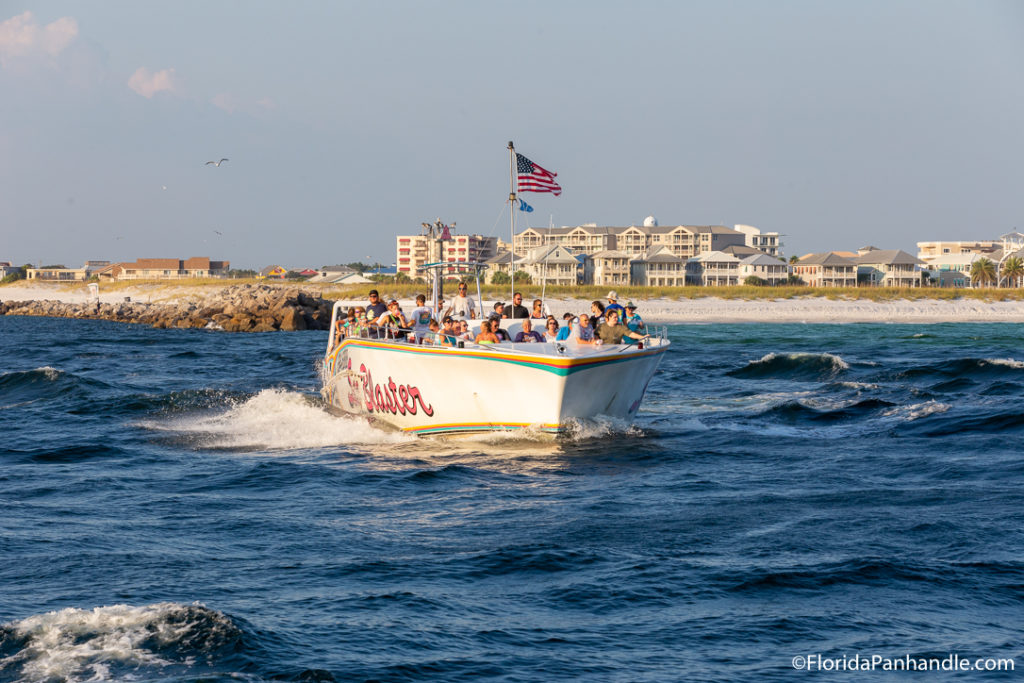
x=768, y=242
x=929, y=251
x=684, y=241
x=414, y=251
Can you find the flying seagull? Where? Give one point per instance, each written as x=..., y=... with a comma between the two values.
x=218, y=232
x=215, y=163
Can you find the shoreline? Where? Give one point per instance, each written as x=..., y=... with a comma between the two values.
x=654, y=311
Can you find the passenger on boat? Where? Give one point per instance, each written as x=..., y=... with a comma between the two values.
x=463, y=305
x=501, y=334
x=518, y=309
x=499, y=308
x=391, y=323
x=538, y=310
x=464, y=332
x=613, y=305
x=584, y=333
x=596, y=313
x=566, y=330
x=612, y=331
x=551, y=330
x=374, y=310
x=421, y=317
x=528, y=335
x=358, y=328
x=633, y=321
x=448, y=330
x=486, y=336
x=434, y=334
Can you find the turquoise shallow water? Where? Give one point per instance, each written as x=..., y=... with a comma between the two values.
x=178, y=505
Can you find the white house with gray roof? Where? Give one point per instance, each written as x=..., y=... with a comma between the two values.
x=888, y=268
x=713, y=269
x=768, y=268
x=658, y=267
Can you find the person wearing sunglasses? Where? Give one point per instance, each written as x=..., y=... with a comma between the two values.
x=462, y=304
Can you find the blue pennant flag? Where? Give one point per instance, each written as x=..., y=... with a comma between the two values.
x=523, y=206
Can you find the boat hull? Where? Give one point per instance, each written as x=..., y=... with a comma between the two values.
x=439, y=390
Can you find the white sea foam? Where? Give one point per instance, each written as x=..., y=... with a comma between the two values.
x=276, y=419
x=916, y=411
x=1006, y=362
x=83, y=645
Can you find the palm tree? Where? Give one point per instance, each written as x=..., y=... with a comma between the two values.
x=1013, y=270
x=983, y=272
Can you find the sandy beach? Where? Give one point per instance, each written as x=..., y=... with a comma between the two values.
x=701, y=310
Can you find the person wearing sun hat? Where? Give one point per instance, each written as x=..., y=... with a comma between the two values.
x=633, y=321
x=613, y=305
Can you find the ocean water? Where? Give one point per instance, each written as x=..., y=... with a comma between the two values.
x=177, y=505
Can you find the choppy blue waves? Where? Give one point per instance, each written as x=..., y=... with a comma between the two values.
x=178, y=505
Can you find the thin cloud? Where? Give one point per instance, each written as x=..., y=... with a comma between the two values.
x=22, y=37
x=147, y=83
x=224, y=101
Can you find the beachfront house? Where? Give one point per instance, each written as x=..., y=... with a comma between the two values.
x=767, y=242
x=608, y=268
x=713, y=269
x=768, y=268
x=553, y=264
x=826, y=270
x=56, y=274
x=658, y=267
x=888, y=268
x=952, y=270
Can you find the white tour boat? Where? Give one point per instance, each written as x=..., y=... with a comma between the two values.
x=433, y=388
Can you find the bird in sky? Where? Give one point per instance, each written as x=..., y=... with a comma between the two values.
x=215, y=163
x=218, y=232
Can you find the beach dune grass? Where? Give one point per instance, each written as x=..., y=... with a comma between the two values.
x=160, y=288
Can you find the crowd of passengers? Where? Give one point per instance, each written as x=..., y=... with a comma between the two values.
x=449, y=325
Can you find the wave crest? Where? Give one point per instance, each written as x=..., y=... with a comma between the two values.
x=113, y=641
x=799, y=366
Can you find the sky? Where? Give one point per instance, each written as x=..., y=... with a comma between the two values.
x=837, y=124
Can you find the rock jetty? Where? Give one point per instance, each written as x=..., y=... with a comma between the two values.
x=240, y=308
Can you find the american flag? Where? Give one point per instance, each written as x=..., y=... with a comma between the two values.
x=533, y=178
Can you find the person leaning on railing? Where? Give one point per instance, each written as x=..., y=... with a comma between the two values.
x=612, y=331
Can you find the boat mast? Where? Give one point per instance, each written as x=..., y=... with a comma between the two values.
x=512, y=215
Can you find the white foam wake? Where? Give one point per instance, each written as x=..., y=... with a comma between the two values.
x=276, y=419
x=79, y=644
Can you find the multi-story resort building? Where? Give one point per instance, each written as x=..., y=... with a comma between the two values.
x=684, y=241
x=768, y=242
x=414, y=251
x=929, y=251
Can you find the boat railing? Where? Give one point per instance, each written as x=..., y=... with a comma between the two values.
x=656, y=335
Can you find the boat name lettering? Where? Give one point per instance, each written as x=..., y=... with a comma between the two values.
x=397, y=399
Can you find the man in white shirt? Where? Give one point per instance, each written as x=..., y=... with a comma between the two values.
x=463, y=305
